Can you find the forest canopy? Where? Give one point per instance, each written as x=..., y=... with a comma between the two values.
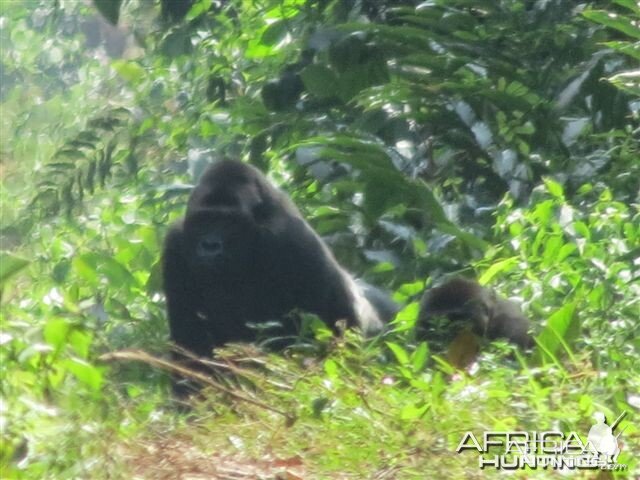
x=421, y=140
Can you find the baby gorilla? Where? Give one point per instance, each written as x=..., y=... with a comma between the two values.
x=242, y=255
x=489, y=314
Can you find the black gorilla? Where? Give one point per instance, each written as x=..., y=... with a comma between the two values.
x=490, y=315
x=244, y=255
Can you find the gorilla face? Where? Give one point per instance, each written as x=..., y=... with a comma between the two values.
x=227, y=217
x=220, y=242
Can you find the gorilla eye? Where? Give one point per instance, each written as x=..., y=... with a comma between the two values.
x=210, y=246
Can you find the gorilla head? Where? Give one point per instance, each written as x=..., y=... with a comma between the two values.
x=224, y=215
x=242, y=255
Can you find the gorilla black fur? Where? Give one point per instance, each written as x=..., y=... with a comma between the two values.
x=243, y=254
x=490, y=315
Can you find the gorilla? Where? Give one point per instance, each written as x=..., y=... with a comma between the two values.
x=491, y=316
x=243, y=255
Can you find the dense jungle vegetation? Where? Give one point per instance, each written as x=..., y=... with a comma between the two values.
x=498, y=140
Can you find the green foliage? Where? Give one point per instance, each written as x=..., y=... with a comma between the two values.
x=581, y=250
x=627, y=24
x=10, y=265
x=419, y=138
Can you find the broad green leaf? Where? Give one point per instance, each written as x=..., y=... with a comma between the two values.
x=627, y=48
x=129, y=70
x=400, y=353
x=506, y=265
x=91, y=265
x=419, y=357
x=80, y=341
x=56, y=331
x=562, y=328
x=410, y=289
x=566, y=250
x=198, y=8
x=85, y=372
x=274, y=33
x=615, y=21
x=85, y=267
x=10, y=265
x=413, y=412
x=406, y=318
x=319, y=81
x=632, y=5
x=331, y=369
x=554, y=187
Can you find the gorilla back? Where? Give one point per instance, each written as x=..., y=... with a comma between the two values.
x=243, y=254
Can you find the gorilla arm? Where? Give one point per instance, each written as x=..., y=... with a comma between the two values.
x=185, y=326
x=325, y=289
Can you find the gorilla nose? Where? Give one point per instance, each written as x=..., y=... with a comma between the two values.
x=210, y=246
